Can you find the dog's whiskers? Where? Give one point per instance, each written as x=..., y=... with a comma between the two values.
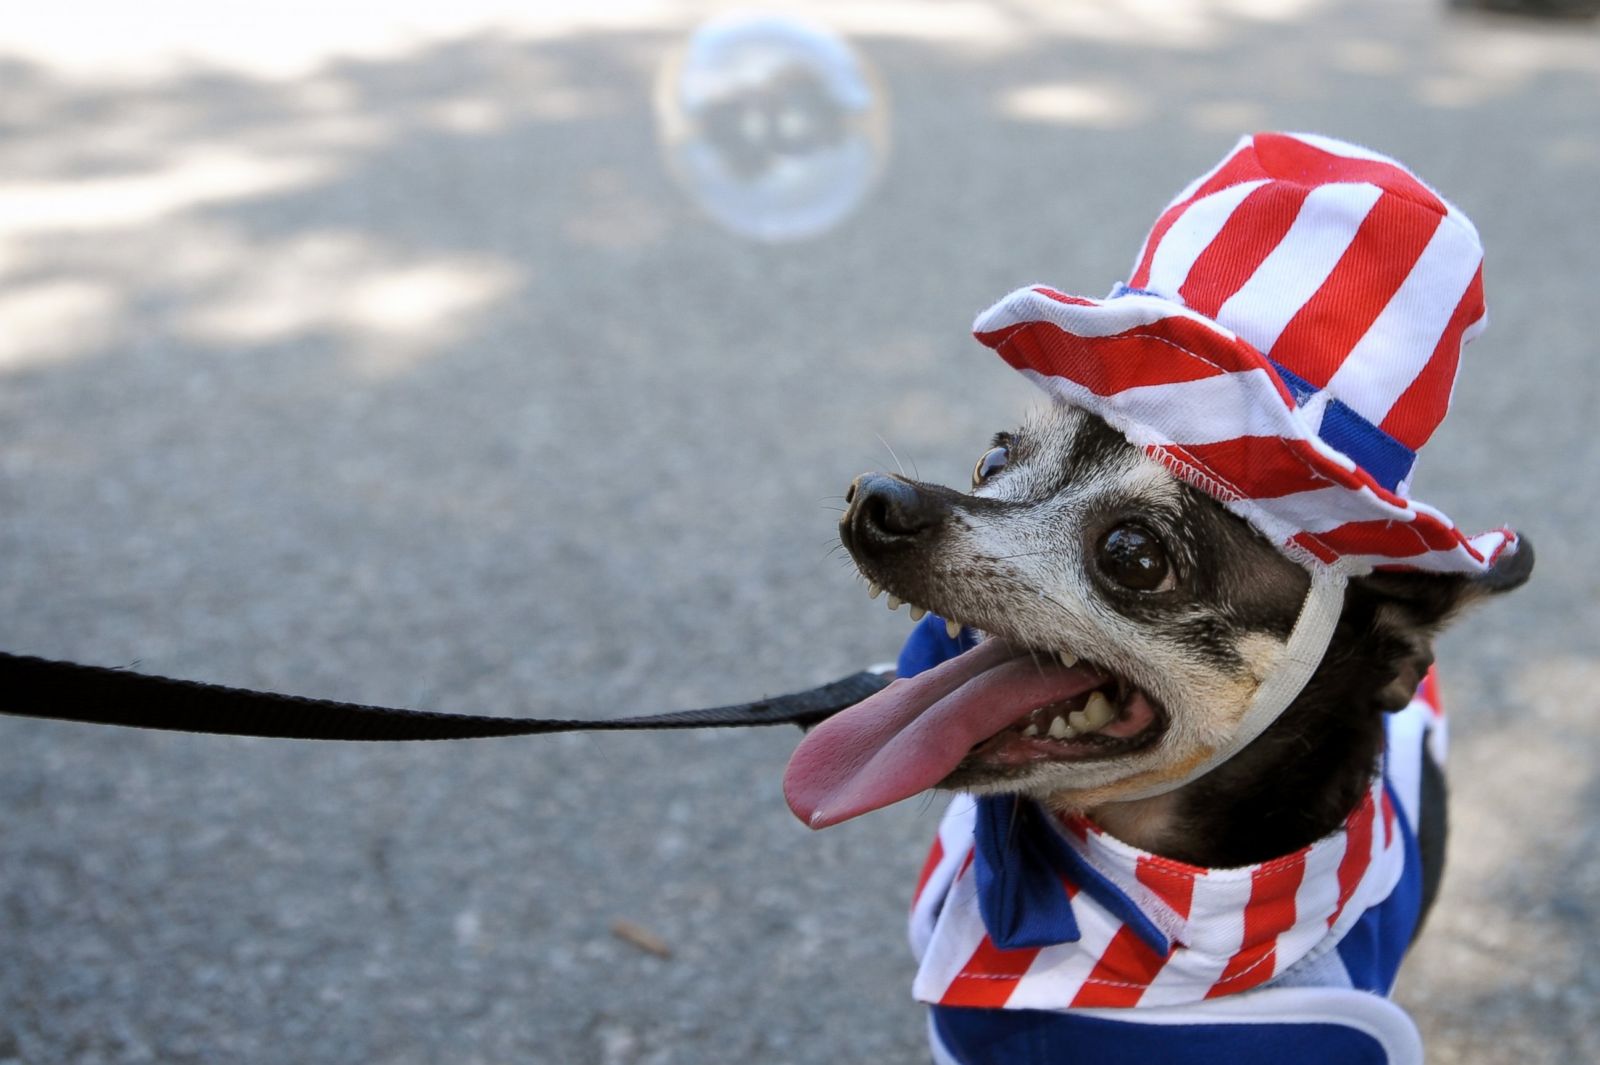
x=915, y=474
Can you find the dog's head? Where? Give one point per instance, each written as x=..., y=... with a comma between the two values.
x=1130, y=620
x=1278, y=368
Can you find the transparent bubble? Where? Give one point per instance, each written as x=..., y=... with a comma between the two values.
x=774, y=125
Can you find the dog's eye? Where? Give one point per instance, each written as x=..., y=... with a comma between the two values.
x=992, y=462
x=1132, y=556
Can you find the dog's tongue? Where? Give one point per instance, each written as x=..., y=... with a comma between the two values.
x=912, y=734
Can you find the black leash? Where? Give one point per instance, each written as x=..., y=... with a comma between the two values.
x=67, y=691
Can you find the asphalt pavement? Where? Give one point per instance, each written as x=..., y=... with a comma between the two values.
x=386, y=360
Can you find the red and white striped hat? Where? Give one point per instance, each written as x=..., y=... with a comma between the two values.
x=1287, y=342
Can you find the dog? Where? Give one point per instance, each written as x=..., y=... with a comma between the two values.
x=1178, y=645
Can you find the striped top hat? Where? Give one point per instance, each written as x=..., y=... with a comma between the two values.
x=1287, y=343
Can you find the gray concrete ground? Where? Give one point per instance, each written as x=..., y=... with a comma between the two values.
x=397, y=369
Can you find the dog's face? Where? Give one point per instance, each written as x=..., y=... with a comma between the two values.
x=1135, y=615
x=1074, y=543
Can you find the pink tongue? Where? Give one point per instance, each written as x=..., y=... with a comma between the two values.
x=911, y=735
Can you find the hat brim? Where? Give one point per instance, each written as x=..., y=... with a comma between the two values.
x=1221, y=416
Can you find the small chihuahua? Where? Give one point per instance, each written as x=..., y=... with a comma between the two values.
x=1178, y=655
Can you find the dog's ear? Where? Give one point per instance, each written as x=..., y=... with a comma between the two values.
x=1405, y=610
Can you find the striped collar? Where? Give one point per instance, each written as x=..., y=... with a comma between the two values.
x=1087, y=920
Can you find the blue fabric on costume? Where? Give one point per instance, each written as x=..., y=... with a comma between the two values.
x=1373, y=949
x=1038, y=1037
x=929, y=644
x=1387, y=459
x=1019, y=888
x=1021, y=863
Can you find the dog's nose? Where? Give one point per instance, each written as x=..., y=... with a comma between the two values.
x=884, y=509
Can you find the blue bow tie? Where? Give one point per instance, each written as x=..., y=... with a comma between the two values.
x=1023, y=866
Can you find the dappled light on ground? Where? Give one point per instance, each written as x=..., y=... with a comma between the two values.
x=189, y=181
x=1073, y=104
x=53, y=320
x=391, y=310
x=104, y=40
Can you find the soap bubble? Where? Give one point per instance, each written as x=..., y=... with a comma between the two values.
x=773, y=125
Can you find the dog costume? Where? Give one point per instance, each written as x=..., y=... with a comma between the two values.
x=1287, y=343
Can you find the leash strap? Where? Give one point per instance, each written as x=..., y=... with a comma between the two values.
x=68, y=691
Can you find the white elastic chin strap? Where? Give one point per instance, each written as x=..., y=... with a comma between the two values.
x=1308, y=642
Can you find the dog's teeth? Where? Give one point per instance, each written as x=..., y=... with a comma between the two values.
x=873, y=590
x=894, y=602
x=1032, y=729
x=953, y=628
x=1060, y=730
x=1080, y=721
x=917, y=613
x=1098, y=710
x=1068, y=659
